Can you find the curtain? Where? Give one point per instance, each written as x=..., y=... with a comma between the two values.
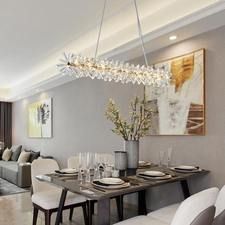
x=6, y=123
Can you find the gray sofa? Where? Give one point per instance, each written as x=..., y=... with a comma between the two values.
x=19, y=174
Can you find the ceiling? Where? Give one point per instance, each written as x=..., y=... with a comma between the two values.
x=35, y=33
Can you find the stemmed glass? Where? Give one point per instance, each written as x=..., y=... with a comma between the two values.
x=96, y=166
x=90, y=165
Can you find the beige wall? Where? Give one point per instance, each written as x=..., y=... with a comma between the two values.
x=206, y=151
x=79, y=123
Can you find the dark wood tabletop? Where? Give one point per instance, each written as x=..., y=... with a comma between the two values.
x=102, y=195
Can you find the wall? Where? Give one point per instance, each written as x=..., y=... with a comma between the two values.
x=79, y=123
x=206, y=151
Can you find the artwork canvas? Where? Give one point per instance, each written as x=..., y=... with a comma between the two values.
x=179, y=109
x=40, y=119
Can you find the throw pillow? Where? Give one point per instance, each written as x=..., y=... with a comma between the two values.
x=33, y=156
x=16, y=150
x=7, y=154
x=24, y=157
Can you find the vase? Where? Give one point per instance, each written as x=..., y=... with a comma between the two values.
x=132, y=149
x=120, y=160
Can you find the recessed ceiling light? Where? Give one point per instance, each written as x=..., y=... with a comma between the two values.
x=173, y=37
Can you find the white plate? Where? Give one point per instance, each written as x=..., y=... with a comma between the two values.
x=182, y=167
x=144, y=163
x=166, y=177
x=68, y=170
x=113, y=181
x=154, y=173
x=112, y=187
x=185, y=171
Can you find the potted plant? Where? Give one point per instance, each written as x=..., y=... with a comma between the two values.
x=133, y=129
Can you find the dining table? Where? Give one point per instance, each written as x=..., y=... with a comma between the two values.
x=102, y=196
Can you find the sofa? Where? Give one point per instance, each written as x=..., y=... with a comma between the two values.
x=15, y=171
x=18, y=174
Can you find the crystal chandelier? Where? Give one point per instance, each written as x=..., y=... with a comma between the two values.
x=110, y=70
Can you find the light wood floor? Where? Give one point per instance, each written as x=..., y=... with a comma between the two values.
x=17, y=210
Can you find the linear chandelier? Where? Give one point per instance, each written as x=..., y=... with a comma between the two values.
x=110, y=70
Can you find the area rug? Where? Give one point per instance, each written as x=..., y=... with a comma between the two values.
x=7, y=188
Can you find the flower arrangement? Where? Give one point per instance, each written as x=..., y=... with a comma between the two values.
x=139, y=121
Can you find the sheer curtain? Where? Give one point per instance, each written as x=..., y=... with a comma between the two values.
x=6, y=123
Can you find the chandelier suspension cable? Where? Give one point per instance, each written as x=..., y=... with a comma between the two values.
x=100, y=29
x=140, y=33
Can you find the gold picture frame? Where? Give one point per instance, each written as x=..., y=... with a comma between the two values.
x=180, y=108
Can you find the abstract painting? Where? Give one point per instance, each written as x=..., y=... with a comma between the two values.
x=40, y=119
x=179, y=109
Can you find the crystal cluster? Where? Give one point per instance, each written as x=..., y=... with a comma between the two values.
x=109, y=70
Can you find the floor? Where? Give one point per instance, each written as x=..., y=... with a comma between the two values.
x=17, y=210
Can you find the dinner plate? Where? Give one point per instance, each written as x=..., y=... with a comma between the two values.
x=165, y=177
x=110, y=187
x=180, y=170
x=143, y=163
x=153, y=173
x=111, y=181
x=66, y=172
x=183, y=167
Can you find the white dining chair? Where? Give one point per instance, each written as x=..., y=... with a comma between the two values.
x=220, y=208
x=198, y=209
x=167, y=213
x=45, y=197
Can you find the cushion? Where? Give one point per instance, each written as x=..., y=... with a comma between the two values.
x=220, y=201
x=6, y=156
x=141, y=220
x=194, y=205
x=165, y=214
x=24, y=157
x=16, y=150
x=33, y=156
x=50, y=199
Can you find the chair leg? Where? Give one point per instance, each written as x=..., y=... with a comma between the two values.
x=71, y=213
x=47, y=218
x=35, y=215
x=61, y=218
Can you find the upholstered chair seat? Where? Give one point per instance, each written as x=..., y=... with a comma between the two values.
x=50, y=199
x=165, y=214
x=46, y=197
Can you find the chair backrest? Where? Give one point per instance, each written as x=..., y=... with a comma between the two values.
x=206, y=217
x=220, y=201
x=220, y=208
x=193, y=206
x=73, y=162
x=40, y=167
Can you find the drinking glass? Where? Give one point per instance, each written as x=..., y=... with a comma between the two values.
x=80, y=172
x=169, y=156
x=96, y=162
x=89, y=165
x=161, y=157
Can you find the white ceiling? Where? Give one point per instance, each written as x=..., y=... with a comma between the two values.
x=35, y=33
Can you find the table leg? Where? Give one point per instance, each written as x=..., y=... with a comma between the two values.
x=89, y=209
x=103, y=216
x=119, y=202
x=185, y=188
x=61, y=205
x=142, y=210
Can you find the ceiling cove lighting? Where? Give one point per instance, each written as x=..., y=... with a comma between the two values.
x=172, y=37
x=110, y=70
